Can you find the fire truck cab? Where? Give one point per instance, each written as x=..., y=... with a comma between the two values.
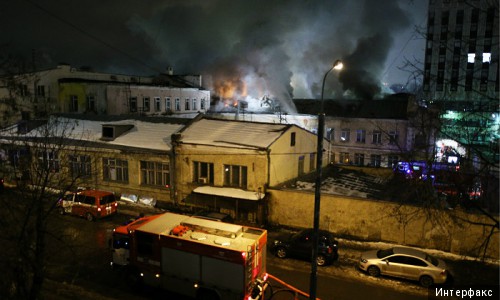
x=121, y=239
x=200, y=258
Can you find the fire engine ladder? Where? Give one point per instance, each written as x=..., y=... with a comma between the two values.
x=251, y=253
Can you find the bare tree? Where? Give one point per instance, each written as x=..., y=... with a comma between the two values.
x=40, y=160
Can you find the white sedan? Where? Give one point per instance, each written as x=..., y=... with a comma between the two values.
x=406, y=263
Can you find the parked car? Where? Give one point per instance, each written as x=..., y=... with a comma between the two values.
x=405, y=263
x=91, y=204
x=300, y=245
x=214, y=216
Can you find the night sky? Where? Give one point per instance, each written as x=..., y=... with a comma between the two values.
x=277, y=48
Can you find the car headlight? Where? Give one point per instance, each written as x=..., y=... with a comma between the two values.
x=364, y=260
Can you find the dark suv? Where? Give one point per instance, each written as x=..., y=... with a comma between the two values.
x=300, y=245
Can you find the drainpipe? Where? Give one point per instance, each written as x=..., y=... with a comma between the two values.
x=173, y=170
x=268, y=180
x=172, y=173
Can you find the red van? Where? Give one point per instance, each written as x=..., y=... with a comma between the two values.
x=91, y=204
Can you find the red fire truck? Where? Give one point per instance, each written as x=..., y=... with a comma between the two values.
x=199, y=258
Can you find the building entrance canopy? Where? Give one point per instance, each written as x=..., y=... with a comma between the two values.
x=229, y=192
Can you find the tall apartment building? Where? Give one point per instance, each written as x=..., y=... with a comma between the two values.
x=461, y=72
x=461, y=58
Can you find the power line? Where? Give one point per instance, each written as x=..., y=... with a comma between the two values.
x=92, y=36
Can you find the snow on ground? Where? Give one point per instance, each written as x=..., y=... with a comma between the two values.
x=347, y=183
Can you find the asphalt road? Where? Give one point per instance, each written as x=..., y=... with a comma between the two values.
x=78, y=268
x=78, y=256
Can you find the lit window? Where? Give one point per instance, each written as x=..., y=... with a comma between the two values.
x=471, y=57
x=486, y=57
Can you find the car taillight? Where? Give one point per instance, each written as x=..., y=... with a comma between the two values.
x=443, y=272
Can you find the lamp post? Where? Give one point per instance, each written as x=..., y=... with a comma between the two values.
x=337, y=65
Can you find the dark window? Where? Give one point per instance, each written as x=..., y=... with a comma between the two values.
x=115, y=169
x=292, y=139
x=312, y=161
x=106, y=199
x=91, y=103
x=90, y=200
x=393, y=137
x=397, y=259
x=49, y=160
x=155, y=173
x=73, y=103
x=157, y=104
x=301, y=170
x=445, y=17
x=108, y=132
x=360, y=135
x=80, y=166
x=168, y=104
x=359, y=159
x=146, y=106
x=392, y=160
x=406, y=260
x=375, y=160
x=203, y=172
x=133, y=104
x=344, y=158
x=345, y=135
x=121, y=242
x=377, y=137
x=460, y=16
x=235, y=176
x=40, y=90
x=177, y=104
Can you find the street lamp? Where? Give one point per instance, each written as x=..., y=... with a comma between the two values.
x=337, y=65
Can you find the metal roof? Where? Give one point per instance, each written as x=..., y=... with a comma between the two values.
x=234, y=134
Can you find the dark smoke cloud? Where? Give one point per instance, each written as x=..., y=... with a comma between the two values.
x=276, y=48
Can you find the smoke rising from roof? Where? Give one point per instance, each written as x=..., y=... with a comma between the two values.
x=243, y=49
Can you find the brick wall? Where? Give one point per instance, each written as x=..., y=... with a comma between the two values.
x=371, y=220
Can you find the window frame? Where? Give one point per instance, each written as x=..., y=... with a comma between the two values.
x=345, y=135
x=120, y=167
x=203, y=171
x=360, y=136
x=236, y=176
x=80, y=166
x=154, y=173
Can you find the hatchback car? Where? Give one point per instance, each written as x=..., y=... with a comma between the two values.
x=300, y=245
x=405, y=263
x=91, y=204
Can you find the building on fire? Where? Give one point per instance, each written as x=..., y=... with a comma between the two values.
x=66, y=89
